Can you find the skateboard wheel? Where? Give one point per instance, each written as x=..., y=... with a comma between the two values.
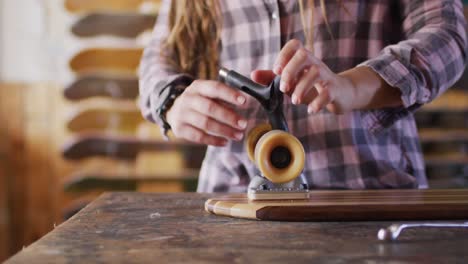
x=279, y=156
x=252, y=138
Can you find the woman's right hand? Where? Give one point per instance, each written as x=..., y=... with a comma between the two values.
x=200, y=114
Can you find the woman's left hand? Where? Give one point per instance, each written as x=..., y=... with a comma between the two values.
x=309, y=81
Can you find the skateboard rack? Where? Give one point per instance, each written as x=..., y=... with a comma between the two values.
x=110, y=146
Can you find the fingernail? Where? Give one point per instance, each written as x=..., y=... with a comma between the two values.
x=241, y=99
x=309, y=109
x=277, y=69
x=242, y=123
x=283, y=86
x=294, y=99
x=239, y=135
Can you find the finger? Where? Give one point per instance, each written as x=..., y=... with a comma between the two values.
x=264, y=77
x=323, y=98
x=286, y=53
x=196, y=135
x=218, y=90
x=309, y=96
x=216, y=111
x=293, y=69
x=211, y=126
x=305, y=87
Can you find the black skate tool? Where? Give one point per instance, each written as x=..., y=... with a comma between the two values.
x=279, y=156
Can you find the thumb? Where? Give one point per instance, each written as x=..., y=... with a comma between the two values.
x=263, y=77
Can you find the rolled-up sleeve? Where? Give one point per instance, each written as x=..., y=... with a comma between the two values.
x=427, y=62
x=156, y=75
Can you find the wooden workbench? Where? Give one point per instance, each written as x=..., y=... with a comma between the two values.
x=174, y=228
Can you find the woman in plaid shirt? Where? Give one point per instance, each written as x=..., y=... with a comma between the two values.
x=354, y=72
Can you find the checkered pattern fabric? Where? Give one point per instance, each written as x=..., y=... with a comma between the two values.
x=416, y=46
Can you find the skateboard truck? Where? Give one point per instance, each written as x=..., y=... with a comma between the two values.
x=279, y=155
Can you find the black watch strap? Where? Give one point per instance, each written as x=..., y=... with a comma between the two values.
x=168, y=96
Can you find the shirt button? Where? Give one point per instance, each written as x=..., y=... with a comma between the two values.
x=274, y=15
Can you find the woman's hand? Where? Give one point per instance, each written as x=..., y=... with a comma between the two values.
x=309, y=81
x=201, y=115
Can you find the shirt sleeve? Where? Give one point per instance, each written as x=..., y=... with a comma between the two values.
x=426, y=63
x=156, y=75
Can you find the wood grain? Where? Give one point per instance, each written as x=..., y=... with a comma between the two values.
x=349, y=206
x=173, y=228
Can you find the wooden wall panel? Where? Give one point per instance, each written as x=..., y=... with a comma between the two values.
x=28, y=192
x=38, y=154
x=4, y=212
x=12, y=116
x=4, y=218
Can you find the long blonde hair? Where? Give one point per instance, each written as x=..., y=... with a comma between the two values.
x=194, y=39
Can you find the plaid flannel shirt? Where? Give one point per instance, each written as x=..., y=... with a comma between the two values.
x=416, y=46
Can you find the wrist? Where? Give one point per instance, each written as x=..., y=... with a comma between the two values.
x=167, y=104
x=354, y=95
x=370, y=90
x=168, y=115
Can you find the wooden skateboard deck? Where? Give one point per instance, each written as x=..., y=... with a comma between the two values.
x=89, y=145
x=110, y=60
x=119, y=25
x=352, y=205
x=83, y=182
x=120, y=119
x=117, y=87
x=453, y=100
x=81, y=6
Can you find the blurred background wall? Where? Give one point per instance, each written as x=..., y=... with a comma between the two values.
x=70, y=128
x=25, y=44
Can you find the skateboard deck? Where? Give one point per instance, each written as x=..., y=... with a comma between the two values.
x=82, y=182
x=120, y=119
x=118, y=6
x=349, y=205
x=117, y=87
x=110, y=60
x=453, y=100
x=86, y=145
x=119, y=25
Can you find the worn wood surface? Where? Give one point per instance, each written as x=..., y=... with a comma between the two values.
x=174, y=228
x=349, y=206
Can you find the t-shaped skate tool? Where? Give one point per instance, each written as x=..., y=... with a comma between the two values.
x=278, y=155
